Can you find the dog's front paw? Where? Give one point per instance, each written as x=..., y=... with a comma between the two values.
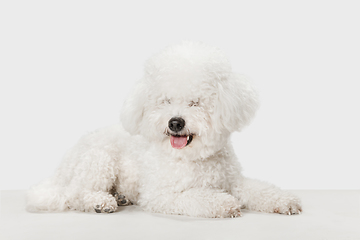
x=289, y=205
x=229, y=208
x=100, y=202
x=104, y=208
x=121, y=200
x=231, y=212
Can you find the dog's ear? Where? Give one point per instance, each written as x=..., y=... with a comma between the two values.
x=236, y=103
x=132, y=111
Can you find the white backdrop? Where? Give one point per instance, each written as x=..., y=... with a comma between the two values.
x=67, y=66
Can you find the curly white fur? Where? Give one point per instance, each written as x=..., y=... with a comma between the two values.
x=193, y=81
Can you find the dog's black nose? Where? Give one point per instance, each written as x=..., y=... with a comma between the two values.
x=176, y=124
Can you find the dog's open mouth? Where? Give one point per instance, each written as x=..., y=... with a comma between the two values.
x=180, y=141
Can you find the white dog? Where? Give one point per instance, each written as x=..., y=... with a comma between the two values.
x=172, y=153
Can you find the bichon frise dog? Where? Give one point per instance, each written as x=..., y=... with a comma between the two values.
x=172, y=153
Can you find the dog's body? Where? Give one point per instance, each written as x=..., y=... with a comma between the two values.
x=172, y=152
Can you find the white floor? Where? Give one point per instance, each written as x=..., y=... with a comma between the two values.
x=327, y=215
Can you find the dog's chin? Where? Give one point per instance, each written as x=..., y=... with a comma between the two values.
x=180, y=141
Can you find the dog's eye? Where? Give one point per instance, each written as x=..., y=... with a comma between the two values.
x=194, y=104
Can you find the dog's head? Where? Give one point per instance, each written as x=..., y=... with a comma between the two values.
x=189, y=101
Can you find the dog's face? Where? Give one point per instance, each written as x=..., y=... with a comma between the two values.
x=189, y=102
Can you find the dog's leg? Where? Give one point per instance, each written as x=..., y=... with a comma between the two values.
x=210, y=203
x=264, y=197
x=94, y=178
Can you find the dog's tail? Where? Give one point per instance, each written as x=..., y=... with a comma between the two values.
x=46, y=196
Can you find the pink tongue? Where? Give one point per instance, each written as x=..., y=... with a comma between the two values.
x=178, y=142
